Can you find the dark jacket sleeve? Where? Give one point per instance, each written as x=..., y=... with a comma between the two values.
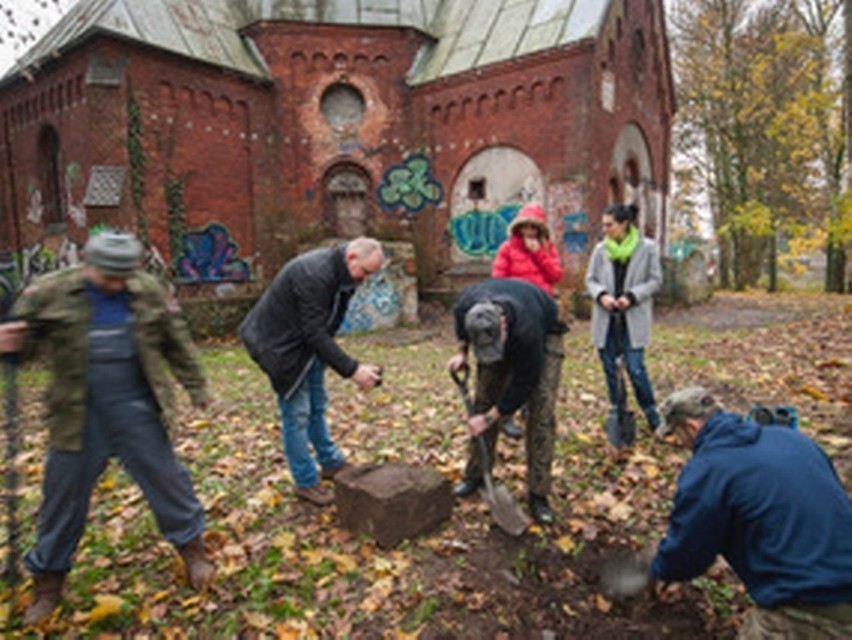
x=525, y=353
x=315, y=303
x=698, y=525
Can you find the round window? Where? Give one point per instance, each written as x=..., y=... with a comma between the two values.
x=342, y=104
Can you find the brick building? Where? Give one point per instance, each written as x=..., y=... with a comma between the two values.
x=231, y=133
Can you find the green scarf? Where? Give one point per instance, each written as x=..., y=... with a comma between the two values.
x=621, y=251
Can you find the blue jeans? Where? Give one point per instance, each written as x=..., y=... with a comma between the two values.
x=303, y=426
x=635, y=363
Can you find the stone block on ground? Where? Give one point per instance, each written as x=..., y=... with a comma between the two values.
x=391, y=502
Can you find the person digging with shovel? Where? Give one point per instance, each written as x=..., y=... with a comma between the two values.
x=108, y=329
x=516, y=335
x=770, y=502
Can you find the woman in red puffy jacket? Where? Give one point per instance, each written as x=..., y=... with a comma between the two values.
x=529, y=254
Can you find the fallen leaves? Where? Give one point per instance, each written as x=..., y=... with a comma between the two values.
x=287, y=571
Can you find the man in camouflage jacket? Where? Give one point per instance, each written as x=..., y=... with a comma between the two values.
x=108, y=329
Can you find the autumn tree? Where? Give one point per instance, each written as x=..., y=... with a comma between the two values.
x=759, y=112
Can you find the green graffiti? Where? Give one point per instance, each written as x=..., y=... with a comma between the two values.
x=410, y=185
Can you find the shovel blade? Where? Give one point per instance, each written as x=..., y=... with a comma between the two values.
x=506, y=512
x=624, y=576
x=621, y=428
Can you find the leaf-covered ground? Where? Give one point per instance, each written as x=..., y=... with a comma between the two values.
x=286, y=570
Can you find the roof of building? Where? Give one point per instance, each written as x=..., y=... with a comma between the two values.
x=468, y=34
x=205, y=31
x=418, y=14
x=476, y=33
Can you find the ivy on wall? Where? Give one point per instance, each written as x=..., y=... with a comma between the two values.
x=176, y=212
x=137, y=163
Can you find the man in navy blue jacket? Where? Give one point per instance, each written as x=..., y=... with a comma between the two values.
x=290, y=334
x=769, y=500
x=516, y=335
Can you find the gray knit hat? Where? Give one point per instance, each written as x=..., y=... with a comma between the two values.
x=114, y=253
x=482, y=324
x=691, y=402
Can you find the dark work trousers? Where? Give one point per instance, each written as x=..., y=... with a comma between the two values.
x=540, y=430
x=122, y=420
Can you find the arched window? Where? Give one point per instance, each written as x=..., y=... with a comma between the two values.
x=49, y=174
x=342, y=105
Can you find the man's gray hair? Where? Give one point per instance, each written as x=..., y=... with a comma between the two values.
x=363, y=247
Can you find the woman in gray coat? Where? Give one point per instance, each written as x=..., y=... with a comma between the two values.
x=624, y=273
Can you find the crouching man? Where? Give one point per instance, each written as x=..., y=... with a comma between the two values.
x=768, y=499
x=107, y=330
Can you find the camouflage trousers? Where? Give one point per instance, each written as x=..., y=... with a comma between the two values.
x=540, y=429
x=804, y=622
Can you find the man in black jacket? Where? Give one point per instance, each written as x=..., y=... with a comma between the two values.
x=516, y=336
x=290, y=334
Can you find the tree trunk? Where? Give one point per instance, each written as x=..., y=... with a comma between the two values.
x=724, y=264
x=772, y=287
x=835, y=267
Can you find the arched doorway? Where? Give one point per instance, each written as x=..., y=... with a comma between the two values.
x=490, y=189
x=632, y=163
x=345, y=189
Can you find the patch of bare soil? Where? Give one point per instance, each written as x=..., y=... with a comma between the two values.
x=532, y=590
x=726, y=310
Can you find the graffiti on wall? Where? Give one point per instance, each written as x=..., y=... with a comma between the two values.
x=38, y=259
x=8, y=282
x=480, y=233
x=576, y=234
x=210, y=255
x=410, y=186
x=76, y=212
x=35, y=207
x=357, y=148
x=376, y=303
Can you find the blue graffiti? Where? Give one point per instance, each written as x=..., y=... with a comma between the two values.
x=209, y=255
x=480, y=233
x=350, y=148
x=376, y=303
x=576, y=234
x=9, y=282
x=410, y=185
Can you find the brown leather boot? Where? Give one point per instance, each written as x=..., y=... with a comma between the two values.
x=47, y=594
x=200, y=572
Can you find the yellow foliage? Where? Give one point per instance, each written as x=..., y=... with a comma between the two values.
x=566, y=544
x=753, y=217
x=106, y=606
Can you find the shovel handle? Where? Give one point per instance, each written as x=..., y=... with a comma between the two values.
x=484, y=460
x=460, y=377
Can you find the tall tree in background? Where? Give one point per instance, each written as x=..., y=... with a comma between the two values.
x=819, y=20
x=760, y=113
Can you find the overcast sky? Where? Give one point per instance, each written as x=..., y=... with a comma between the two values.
x=23, y=22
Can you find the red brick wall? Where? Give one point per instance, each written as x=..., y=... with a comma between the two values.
x=213, y=131
x=305, y=60
x=252, y=155
x=209, y=132
x=59, y=99
x=538, y=105
x=642, y=98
